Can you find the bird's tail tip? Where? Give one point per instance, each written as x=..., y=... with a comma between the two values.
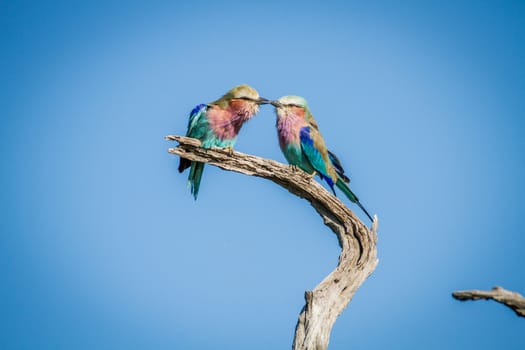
x=365, y=211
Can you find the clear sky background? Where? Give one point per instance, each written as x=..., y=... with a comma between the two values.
x=102, y=246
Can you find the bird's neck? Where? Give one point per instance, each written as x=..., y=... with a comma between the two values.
x=242, y=110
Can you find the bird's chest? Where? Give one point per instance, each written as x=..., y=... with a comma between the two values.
x=226, y=125
x=288, y=130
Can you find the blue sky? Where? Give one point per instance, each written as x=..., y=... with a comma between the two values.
x=102, y=246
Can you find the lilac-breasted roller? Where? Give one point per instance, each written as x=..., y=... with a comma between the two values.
x=304, y=147
x=217, y=124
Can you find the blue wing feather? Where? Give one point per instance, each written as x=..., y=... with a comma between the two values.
x=313, y=155
x=197, y=123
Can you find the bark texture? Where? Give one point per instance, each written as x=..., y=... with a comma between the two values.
x=512, y=299
x=357, y=260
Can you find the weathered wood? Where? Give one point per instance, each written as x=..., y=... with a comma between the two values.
x=511, y=299
x=357, y=260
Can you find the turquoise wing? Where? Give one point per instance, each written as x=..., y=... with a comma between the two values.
x=314, y=155
x=198, y=122
x=197, y=127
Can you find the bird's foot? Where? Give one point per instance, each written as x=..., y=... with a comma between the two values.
x=312, y=175
x=229, y=149
x=293, y=168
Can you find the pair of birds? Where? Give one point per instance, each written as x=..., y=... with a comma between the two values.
x=218, y=123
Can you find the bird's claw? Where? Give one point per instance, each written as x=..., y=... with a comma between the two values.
x=229, y=149
x=293, y=168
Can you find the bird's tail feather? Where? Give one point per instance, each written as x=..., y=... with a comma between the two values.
x=184, y=164
x=194, y=178
x=351, y=195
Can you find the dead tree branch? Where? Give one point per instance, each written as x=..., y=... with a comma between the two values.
x=511, y=299
x=358, y=258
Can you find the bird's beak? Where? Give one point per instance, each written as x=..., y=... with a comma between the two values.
x=262, y=101
x=276, y=104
